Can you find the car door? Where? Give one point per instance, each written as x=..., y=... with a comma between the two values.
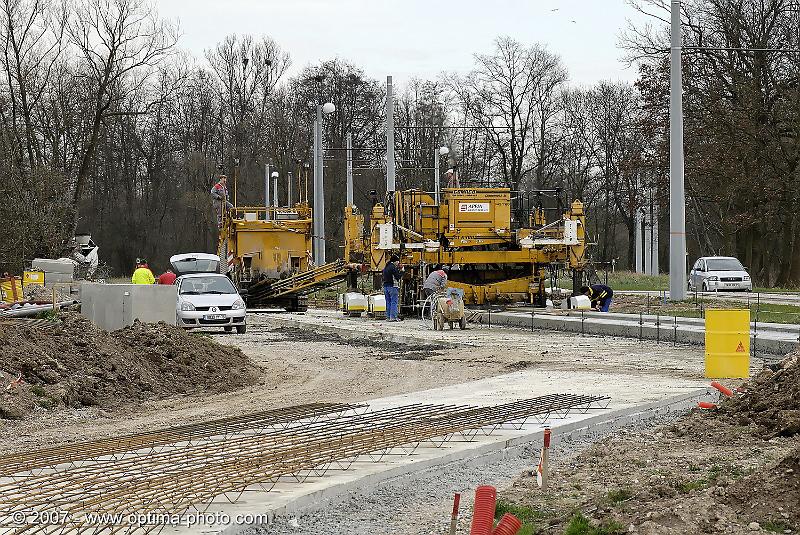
x=702, y=273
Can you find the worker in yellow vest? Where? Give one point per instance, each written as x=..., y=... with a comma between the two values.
x=142, y=275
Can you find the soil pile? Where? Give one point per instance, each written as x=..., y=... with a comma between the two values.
x=74, y=363
x=771, y=400
x=771, y=493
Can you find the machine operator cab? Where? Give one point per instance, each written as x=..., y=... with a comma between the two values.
x=205, y=297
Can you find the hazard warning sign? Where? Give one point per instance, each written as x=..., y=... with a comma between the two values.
x=740, y=349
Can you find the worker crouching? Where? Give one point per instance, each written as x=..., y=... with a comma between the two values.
x=436, y=281
x=600, y=296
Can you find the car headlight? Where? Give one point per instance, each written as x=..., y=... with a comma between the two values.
x=746, y=278
x=713, y=278
x=238, y=305
x=186, y=305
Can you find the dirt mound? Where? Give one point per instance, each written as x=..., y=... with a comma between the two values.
x=771, y=399
x=772, y=493
x=74, y=363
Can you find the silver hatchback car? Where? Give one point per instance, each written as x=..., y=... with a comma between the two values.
x=719, y=273
x=209, y=300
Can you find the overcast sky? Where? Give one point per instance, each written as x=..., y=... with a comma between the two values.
x=414, y=37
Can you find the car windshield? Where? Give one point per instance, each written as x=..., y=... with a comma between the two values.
x=207, y=285
x=724, y=264
x=196, y=265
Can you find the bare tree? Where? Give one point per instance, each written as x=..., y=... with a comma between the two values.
x=512, y=95
x=117, y=42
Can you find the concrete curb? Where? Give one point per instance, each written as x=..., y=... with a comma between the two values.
x=770, y=343
x=594, y=426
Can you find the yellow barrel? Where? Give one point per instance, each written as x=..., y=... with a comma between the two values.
x=33, y=277
x=11, y=289
x=727, y=343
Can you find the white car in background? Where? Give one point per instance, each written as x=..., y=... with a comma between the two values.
x=719, y=273
x=205, y=297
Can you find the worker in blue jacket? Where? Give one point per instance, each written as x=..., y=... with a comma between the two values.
x=392, y=274
x=600, y=295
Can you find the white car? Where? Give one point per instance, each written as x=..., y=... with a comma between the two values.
x=209, y=300
x=206, y=298
x=719, y=273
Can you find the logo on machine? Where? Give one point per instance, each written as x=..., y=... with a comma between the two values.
x=473, y=207
x=214, y=309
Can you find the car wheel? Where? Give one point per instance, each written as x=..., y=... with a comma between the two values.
x=705, y=286
x=228, y=329
x=241, y=329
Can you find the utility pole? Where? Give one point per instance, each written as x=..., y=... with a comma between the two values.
x=349, y=169
x=677, y=195
x=389, y=136
x=319, y=184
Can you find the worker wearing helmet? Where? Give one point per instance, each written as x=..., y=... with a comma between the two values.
x=142, y=275
x=600, y=296
x=436, y=281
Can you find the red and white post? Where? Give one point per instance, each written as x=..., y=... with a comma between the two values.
x=454, y=514
x=542, y=472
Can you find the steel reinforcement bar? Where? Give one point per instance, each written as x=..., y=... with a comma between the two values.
x=190, y=475
x=25, y=461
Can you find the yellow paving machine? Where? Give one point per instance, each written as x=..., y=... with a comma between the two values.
x=495, y=254
x=266, y=250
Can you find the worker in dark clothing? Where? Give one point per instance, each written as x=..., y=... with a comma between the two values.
x=392, y=274
x=600, y=295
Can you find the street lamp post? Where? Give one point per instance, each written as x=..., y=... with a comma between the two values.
x=319, y=192
x=437, y=187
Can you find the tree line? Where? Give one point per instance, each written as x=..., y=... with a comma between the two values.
x=107, y=126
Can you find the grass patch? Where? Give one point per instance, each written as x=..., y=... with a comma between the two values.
x=628, y=280
x=619, y=495
x=580, y=525
x=776, y=526
x=38, y=391
x=50, y=314
x=685, y=487
x=527, y=515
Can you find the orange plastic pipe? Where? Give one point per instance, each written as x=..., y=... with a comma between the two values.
x=483, y=510
x=508, y=525
x=722, y=388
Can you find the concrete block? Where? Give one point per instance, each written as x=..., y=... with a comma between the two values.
x=53, y=277
x=114, y=306
x=52, y=265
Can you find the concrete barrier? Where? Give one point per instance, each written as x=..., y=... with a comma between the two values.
x=114, y=306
